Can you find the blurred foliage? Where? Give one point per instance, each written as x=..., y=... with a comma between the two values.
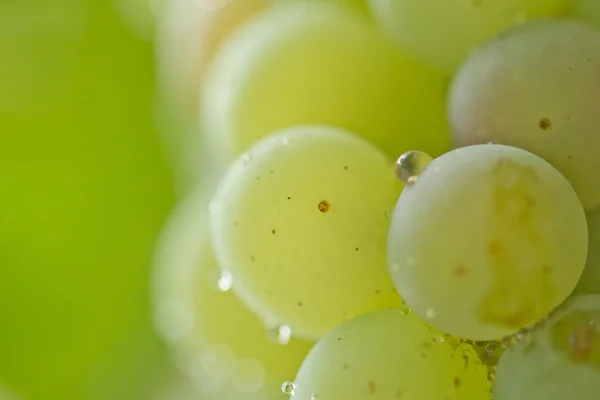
x=84, y=189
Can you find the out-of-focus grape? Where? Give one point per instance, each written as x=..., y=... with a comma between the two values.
x=590, y=280
x=560, y=360
x=536, y=88
x=189, y=35
x=443, y=33
x=226, y=351
x=586, y=10
x=319, y=64
x=300, y=221
x=386, y=355
x=487, y=241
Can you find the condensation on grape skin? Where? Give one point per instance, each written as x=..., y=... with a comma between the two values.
x=577, y=335
x=512, y=300
x=410, y=165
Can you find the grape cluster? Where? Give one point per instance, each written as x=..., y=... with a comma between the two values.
x=401, y=199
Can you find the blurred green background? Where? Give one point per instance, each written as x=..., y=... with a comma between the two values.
x=85, y=186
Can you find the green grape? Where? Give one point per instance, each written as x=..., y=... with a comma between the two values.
x=301, y=221
x=559, y=360
x=386, y=355
x=536, y=88
x=315, y=63
x=590, y=280
x=587, y=10
x=220, y=344
x=488, y=240
x=443, y=33
x=189, y=36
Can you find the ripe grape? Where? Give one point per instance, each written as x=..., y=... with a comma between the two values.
x=189, y=36
x=386, y=355
x=559, y=360
x=443, y=33
x=488, y=240
x=314, y=63
x=590, y=280
x=220, y=344
x=536, y=88
x=300, y=221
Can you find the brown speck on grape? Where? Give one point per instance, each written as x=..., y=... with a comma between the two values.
x=356, y=248
x=545, y=124
x=346, y=367
x=459, y=271
x=324, y=206
x=339, y=338
x=346, y=167
x=300, y=304
x=372, y=387
x=569, y=157
x=289, y=198
x=495, y=249
x=252, y=258
x=273, y=231
x=270, y=171
x=377, y=291
x=457, y=382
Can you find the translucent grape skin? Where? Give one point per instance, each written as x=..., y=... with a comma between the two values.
x=387, y=355
x=590, y=280
x=443, y=33
x=537, y=88
x=202, y=323
x=560, y=360
x=315, y=63
x=488, y=240
x=301, y=222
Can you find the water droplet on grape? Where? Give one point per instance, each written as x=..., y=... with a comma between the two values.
x=225, y=281
x=430, y=313
x=410, y=165
x=246, y=158
x=288, y=388
x=280, y=334
x=405, y=309
x=439, y=338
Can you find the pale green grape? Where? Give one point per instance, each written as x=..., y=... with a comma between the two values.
x=443, y=33
x=587, y=10
x=560, y=360
x=314, y=63
x=301, y=222
x=221, y=345
x=386, y=355
x=590, y=280
x=189, y=36
x=488, y=240
x=536, y=88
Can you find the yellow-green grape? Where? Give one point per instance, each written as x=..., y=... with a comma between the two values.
x=315, y=63
x=189, y=36
x=590, y=280
x=560, y=360
x=387, y=355
x=536, y=88
x=443, y=33
x=300, y=221
x=486, y=241
x=223, y=347
x=586, y=10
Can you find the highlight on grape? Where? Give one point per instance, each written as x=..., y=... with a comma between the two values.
x=403, y=201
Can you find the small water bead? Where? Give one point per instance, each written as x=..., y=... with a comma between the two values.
x=410, y=165
x=225, y=281
x=288, y=388
x=405, y=309
x=280, y=334
x=430, y=313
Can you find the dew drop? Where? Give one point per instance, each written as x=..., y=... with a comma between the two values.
x=225, y=281
x=410, y=165
x=280, y=334
x=405, y=309
x=439, y=338
x=288, y=388
x=246, y=158
x=430, y=313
